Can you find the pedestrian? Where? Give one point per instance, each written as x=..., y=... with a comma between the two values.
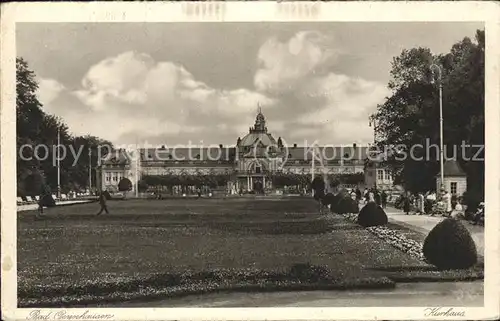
x=102, y=202
x=384, y=199
x=378, y=198
x=406, y=204
x=198, y=191
x=421, y=203
x=479, y=215
x=41, y=204
x=447, y=203
x=358, y=194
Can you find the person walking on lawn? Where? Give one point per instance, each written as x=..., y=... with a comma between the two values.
x=102, y=202
x=45, y=200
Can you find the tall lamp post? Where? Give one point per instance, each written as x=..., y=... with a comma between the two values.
x=435, y=67
x=90, y=170
x=58, y=163
x=373, y=123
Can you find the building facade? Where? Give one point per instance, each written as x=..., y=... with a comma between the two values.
x=251, y=163
x=455, y=179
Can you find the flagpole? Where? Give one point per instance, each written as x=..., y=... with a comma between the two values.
x=137, y=170
x=58, y=163
x=90, y=170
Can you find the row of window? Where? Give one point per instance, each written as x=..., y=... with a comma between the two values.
x=115, y=177
x=382, y=175
x=453, y=187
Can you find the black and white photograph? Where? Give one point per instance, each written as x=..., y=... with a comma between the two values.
x=250, y=164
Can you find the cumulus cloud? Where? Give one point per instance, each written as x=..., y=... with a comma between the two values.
x=136, y=96
x=282, y=65
x=325, y=105
x=131, y=96
x=48, y=90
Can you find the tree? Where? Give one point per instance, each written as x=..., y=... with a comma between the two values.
x=410, y=115
x=142, y=186
x=35, y=127
x=124, y=185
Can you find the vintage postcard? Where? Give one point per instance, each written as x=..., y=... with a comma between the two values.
x=250, y=161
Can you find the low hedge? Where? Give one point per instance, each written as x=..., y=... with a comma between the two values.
x=372, y=215
x=298, y=277
x=449, y=245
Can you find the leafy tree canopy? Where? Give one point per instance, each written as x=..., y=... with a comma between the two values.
x=410, y=115
x=36, y=127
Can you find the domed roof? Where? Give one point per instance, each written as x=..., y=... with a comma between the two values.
x=257, y=137
x=258, y=133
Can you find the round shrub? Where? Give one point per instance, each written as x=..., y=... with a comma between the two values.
x=328, y=199
x=319, y=194
x=449, y=245
x=347, y=205
x=372, y=215
x=47, y=201
x=334, y=207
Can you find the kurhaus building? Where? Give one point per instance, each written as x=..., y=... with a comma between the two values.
x=250, y=164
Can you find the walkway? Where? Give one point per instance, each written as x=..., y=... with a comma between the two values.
x=436, y=294
x=31, y=207
x=425, y=223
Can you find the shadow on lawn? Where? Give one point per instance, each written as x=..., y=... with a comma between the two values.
x=274, y=228
x=419, y=268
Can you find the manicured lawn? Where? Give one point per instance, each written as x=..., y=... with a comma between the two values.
x=72, y=254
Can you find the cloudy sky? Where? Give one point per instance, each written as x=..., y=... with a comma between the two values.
x=170, y=83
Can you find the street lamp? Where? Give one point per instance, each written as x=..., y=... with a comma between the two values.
x=58, y=163
x=434, y=67
x=373, y=123
x=90, y=170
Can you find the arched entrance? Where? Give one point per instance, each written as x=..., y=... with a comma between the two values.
x=258, y=185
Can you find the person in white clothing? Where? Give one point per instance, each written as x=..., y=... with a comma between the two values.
x=458, y=211
x=421, y=204
x=447, y=202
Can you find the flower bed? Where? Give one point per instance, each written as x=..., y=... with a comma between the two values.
x=298, y=278
x=394, y=238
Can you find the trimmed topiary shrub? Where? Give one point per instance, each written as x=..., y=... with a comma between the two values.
x=449, y=245
x=347, y=205
x=334, y=207
x=328, y=199
x=47, y=201
x=319, y=194
x=372, y=215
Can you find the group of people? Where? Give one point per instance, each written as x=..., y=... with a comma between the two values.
x=373, y=195
x=423, y=203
